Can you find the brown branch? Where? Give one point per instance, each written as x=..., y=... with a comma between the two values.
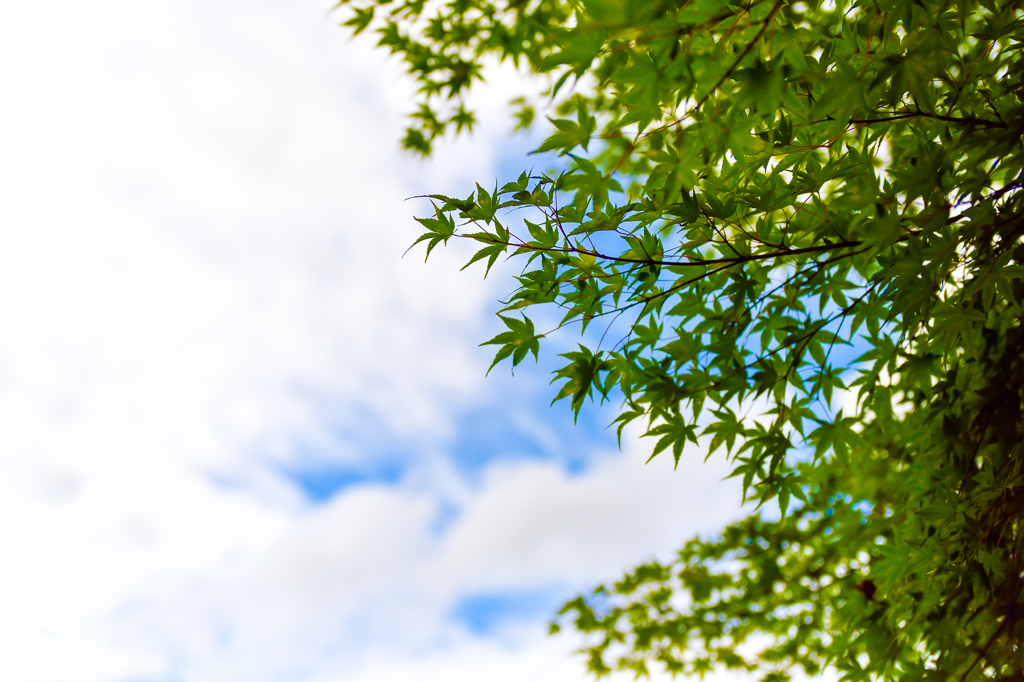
x=960, y=86
x=961, y=120
x=743, y=55
x=690, y=262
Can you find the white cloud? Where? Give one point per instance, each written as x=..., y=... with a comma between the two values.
x=368, y=577
x=200, y=285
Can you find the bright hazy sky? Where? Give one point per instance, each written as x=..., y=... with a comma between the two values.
x=241, y=439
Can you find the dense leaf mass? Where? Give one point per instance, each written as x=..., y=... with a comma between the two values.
x=803, y=224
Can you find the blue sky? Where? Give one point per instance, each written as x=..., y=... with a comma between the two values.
x=241, y=438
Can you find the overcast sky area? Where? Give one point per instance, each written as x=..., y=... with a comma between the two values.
x=243, y=439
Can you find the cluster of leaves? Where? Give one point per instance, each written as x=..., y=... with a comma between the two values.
x=443, y=46
x=804, y=223
x=769, y=597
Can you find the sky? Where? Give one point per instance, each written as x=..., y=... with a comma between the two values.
x=243, y=438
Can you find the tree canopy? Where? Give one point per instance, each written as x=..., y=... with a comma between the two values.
x=799, y=229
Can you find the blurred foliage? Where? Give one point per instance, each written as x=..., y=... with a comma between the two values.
x=799, y=226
